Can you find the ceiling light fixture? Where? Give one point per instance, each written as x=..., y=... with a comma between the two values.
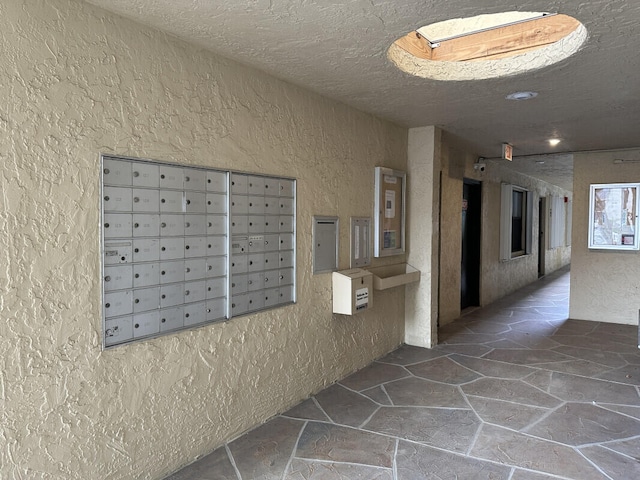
x=554, y=141
x=518, y=96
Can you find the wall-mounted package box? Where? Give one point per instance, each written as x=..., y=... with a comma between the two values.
x=352, y=291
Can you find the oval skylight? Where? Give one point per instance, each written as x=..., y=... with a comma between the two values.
x=488, y=46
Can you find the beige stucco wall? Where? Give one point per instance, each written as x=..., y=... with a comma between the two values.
x=75, y=82
x=497, y=278
x=605, y=284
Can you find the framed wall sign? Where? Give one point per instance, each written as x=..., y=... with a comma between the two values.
x=389, y=212
x=613, y=216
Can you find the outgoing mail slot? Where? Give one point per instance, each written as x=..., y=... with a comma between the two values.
x=216, y=245
x=171, y=272
x=146, y=324
x=215, y=309
x=145, y=225
x=255, y=281
x=195, y=291
x=286, y=206
x=171, y=201
x=239, y=264
x=238, y=284
x=286, y=241
x=216, y=266
x=117, y=199
x=146, y=175
x=145, y=200
x=286, y=223
x=256, y=205
x=118, y=277
x=195, y=202
x=195, y=225
x=255, y=262
x=285, y=276
x=116, y=172
x=216, y=287
x=118, y=330
x=238, y=183
x=117, y=252
x=146, y=299
x=171, y=177
x=146, y=250
x=216, y=181
x=271, y=186
x=271, y=224
x=195, y=313
x=195, y=269
x=239, y=205
x=216, y=203
x=171, y=295
x=256, y=243
x=117, y=225
x=118, y=303
x=271, y=243
x=194, y=179
x=216, y=224
x=239, y=225
x=255, y=185
x=286, y=259
x=146, y=274
x=195, y=247
x=171, y=318
x=171, y=248
x=271, y=260
x=271, y=297
x=256, y=224
x=171, y=225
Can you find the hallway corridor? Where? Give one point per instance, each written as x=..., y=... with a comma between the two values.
x=514, y=391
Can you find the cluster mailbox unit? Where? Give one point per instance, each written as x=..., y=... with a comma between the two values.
x=186, y=246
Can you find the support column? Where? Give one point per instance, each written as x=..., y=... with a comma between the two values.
x=423, y=233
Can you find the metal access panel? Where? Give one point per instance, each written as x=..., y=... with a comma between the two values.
x=360, y=242
x=325, y=244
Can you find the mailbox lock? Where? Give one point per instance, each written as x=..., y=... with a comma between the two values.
x=107, y=278
x=186, y=292
x=106, y=199
x=136, y=174
x=163, y=320
x=106, y=171
x=137, y=275
x=107, y=305
x=136, y=199
x=137, y=300
x=187, y=224
x=137, y=325
x=188, y=270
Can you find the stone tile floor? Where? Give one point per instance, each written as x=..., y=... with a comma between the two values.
x=514, y=391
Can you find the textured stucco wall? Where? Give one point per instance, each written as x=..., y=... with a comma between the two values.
x=605, y=284
x=77, y=81
x=497, y=278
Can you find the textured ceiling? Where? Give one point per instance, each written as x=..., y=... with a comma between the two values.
x=339, y=50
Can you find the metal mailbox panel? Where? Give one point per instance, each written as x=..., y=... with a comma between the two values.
x=286, y=259
x=255, y=301
x=216, y=309
x=256, y=205
x=271, y=297
x=145, y=324
x=195, y=202
x=255, y=281
x=239, y=246
x=146, y=299
x=146, y=175
x=216, y=287
x=216, y=181
x=271, y=242
x=195, y=247
x=116, y=172
x=256, y=243
x=255, y=185
x=255, y=262
x=271, y=224
x=118, y=330
x=195, y=179
x=171, y=177
x=286, y=241
x=286, y=188
x=171, y=201
x=256, y=224
x=216, y=203
x=118, y=303
x=286, y=294
x=171, y=318
x=145, y=225
x=171, y=225
x=117, y=199
x=239, y=184
x=195, y=225
x=238, y=284
x=216, y=266
x=145, y=200
x=195, y=291
x=239, y=225
x=239, y=264
x=118, y=225
x=117, y=252
x=195, y=313
x=172, y=272
x=271, y=206
x=286, y=223
x=146, y=274
x=271, y=260
x=286, y=276
x=195, y=269
x=171, y=295
x=146, y=250
x=171, y=248
x=239, y=304
x=286, y=206
x=118, y=277
x=239, y=205
x=271, y=186
x=216, y=224
x=216, y=245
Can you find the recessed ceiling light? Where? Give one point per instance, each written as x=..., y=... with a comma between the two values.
x=521, y=96
x=554, y=141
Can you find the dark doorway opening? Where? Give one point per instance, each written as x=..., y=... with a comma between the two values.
x=542, y=245
x=471, y=235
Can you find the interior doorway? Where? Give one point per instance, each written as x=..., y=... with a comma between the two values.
x=471, y=242
x=542, y=245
